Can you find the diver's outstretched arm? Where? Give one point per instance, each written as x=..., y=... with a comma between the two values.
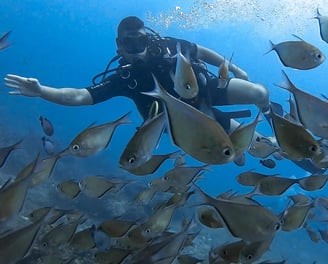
x=211, y=57
x=31, y=87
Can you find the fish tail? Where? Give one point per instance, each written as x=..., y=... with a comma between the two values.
x=289, y=86
x=175, y=154
x=206, y=198
x=158, y=91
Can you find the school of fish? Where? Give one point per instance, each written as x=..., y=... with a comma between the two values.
x=159, y=219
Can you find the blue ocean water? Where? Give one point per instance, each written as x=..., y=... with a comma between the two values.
x=65, y=43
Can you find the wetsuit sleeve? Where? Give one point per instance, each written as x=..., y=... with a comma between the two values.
x=109, y=88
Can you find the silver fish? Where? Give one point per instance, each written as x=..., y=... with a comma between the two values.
x=253, y=251
x=16, y=244
x=323, y=25
x=258, y=223
x=209, y=217
x=312, y=111
x=295, y=216
x=298, y=54
x=94, y=139
x=295, y=141
x=69, y=188
x=150, y=166
x=116, y=227
x=223, y=75
x=142, y=144
x=84, y=239
x=166, y=250
x=226, y=252
x=251, y=178
x=185, y=82
x=274, y=185
x=5, y=151
x=262, y=147
x=42, y=171
x=96, y=186
x=158, y=221
x=12, y=195
x=242, y=136
x=269, y=163
x=197, y=134
x=60, y=234
x=313, y=182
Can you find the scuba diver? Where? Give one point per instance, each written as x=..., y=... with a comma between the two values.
x=141, y=53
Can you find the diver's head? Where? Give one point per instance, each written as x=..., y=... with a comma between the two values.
x=132, y=39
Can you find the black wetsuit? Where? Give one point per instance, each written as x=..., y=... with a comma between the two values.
x=131, y=79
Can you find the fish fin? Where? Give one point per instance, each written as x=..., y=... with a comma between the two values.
x=172, y=75
x=3, y=40
x=298, y=37
x=317, y=15
x=290, y=86
x=324, y=96
x=158, y=91
x=230, y=60
x=178, y=47
x=277, y=108
x=272, y=47
x=5, y=184
x=240, y=160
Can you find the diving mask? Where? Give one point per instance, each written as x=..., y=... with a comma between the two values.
x=134, y=44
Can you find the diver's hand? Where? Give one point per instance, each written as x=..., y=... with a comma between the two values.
x=23, y=86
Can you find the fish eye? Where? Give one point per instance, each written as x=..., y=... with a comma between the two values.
x=258, y=139
x=76, y=147
x=132, y=159
x=313, y=148
x=150, y=184
x=277, y=226
x=249, y=257
x=188, y=86
x=319, y=56
x=44, y=244
x=165, y=178
x=148, y=230
x=225, y=252
x=227, y=152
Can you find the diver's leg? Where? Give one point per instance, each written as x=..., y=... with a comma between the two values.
x=240, y=91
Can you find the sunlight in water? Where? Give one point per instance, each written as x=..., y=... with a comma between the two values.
x=266, y=17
